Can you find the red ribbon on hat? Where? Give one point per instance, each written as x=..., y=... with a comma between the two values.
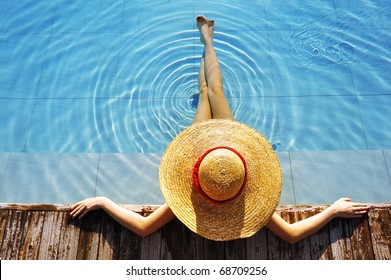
x=197, y=182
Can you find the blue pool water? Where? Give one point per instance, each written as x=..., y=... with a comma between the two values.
x=108, y=84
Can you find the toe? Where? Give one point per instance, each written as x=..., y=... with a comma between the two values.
x=201, y=18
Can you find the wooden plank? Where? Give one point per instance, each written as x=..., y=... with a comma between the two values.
x=13, y=235
x=288, y=251
x=98, y=236
x=320, y=243
x=4, y=214
x=318, y=207
x=380, y=227
x=303, y=247
x=130, y=245
x=301, y=207
x=178, y=242
x=256, y=246
x=145, y=210
x=32, y=235
x=278, y=249
x=69, y=239
x=196, y=245
x=151, y=246
x=291, y=252
x=89, y=236
x=340, y=244
x=360, y=236
x=50, y=235
x=34, y=207
x=65, y=207
x=151, y=208
x=110, y=236
x=214, y=250
x=236, y=249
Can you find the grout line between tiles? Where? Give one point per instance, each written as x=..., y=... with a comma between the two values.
x=97, y=174
x=293, y=183
x=5, y=171
x=274, y=96
x=40, y=78
x=358, y=107
x=387, y=167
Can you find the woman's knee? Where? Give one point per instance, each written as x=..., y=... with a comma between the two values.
x=203, y=88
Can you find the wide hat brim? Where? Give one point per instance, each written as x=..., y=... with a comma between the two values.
x=238, y=218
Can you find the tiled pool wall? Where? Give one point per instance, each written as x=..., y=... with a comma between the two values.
x=309, y=177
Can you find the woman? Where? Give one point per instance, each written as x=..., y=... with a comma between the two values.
x=213, y=105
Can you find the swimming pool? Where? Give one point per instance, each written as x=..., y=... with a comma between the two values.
x=91, y=93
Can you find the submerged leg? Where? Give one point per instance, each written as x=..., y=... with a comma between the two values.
x=214, y=80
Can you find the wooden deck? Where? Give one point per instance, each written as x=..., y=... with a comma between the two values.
x=46, y=232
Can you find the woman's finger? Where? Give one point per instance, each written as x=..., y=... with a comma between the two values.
x=360, y=205
x=74, y=209
x=77, y=204
x=78, y=210
x=362, y=212
x=83, y=214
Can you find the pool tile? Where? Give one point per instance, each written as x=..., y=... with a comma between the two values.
x=80, y=125
x=316, y=123
x=21, y=60
x=140, y=16
x=93, y=16
x=387, y=157
x=325, y=176
x=3, y=167
x=297, y=14
x=177, y=69
x=27, y=17
x=367, y=14
x=252, y=10
x=130, y=178
x=302, y=61
x=374, y=111
x=371, y=67
x=148, y=126
x=15, y=116
x=178, y=75
x=49, y=177
x=80, y=66
x=247, y=70
x=288, y=192
x=259, y=113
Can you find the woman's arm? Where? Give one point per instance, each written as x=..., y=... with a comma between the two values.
x=140, y=225
x=342, y=208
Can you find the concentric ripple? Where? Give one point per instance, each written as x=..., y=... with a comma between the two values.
x=158, y=82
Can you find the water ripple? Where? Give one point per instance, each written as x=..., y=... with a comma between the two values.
x=322, y=47
x=161, y=76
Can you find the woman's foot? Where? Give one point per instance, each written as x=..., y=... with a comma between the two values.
x=206, y=28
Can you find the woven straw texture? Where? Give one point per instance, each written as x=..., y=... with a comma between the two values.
x=238, y=218
x=221, y=174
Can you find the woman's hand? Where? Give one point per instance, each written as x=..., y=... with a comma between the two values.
x=345, y=208
x=127, y=218
x=81, y=208
x=342, y=208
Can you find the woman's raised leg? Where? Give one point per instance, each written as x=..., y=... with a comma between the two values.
x=203, y=111
x=214, y=80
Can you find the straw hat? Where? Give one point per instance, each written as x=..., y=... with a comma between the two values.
x=221, y=178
